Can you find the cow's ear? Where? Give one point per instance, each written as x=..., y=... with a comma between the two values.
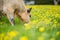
x=29, y=10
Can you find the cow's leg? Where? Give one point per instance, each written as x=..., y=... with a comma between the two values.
x=10, y=16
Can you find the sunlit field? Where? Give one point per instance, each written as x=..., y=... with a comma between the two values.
x=44, y=25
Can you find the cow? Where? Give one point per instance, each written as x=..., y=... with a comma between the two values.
x=12, y=7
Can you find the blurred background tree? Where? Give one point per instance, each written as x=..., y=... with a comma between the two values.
x=42, y=2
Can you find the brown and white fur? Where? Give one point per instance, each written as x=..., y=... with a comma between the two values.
x=11, y=7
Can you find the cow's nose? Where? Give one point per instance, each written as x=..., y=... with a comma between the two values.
x=26, y=21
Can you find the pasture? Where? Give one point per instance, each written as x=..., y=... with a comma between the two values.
x=44, y=25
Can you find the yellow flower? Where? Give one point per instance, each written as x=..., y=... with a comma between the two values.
x=34, y=22
x=55, y=22
x=47, y=21
x=52, y=39
x=41, y=29
x=43, y=18
x=56, y=15
x=2, y=36
x=57, y=33
x=34, y=7
x=12, y=33
x=54, y=25
x=24, y=38
x=40, y=38
x=7, y=38
x=27, y=27
x=47, y=12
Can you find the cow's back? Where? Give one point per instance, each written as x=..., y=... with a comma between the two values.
x=14, y=4
x=4, y=4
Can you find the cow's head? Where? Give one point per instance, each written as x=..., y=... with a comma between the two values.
x=25, y=16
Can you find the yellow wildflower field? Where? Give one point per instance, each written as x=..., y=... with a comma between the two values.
x=44, y=25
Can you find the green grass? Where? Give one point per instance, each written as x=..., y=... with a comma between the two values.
x=44, y=25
